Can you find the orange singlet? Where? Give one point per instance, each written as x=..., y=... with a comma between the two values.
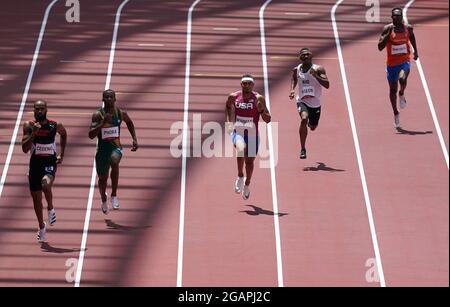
x=398, y=48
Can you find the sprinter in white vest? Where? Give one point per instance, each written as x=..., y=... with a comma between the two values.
x=310, y=78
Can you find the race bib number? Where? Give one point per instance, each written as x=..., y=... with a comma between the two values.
x=307, y=91
x=399, y=49
x=110, y=133
x=44, y=149
x=243, y=121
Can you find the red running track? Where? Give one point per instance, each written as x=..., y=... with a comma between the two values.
x=324, y=230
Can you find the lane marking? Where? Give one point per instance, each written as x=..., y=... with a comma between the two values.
x=25, y=95
x=357, y=147
x=221, y=75
x=151, y=45
x=270, y=137
x=72, y=61
x=94, y=173
x=433, y=25
x=184, y=146
x=296, y=14
x=428, y=94
x=281, y=57
x=226, y=29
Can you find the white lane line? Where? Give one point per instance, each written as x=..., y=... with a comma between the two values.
x=94, y=174
x=428, y=95
x=297, y=14
x=270, y=137
x=72, y=61
x=357, y=147
x=151, y=45
x=25, y=96
x=184, y=146
x=226, y=29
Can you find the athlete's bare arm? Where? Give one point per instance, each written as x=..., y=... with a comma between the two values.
x=412, y=39
x=387, y=30
x=130, y=126
x=29, y=129
x=293, y=83
x=321, y=75
x=229, y=113
x=96, y=124
x=62, y=140
x=262, y=109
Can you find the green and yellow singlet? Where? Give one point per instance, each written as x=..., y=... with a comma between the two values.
x=109, y=136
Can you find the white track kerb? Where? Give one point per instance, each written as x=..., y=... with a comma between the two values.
x=184, y=145
x=357, y=147
x=94, y=173
x=272, y=163
x=427, y=93
x=25, y=96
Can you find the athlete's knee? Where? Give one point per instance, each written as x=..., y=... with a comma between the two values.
x=46, y=184
x=102, y=178
x=115, y=160
x=393, y=90
x=250, y=161
x=304, y=121
x=240, y=148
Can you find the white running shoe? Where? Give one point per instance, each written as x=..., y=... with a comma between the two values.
x=397, y=121
x=41, y=234
x=51, y=217
x=238, y=185
x=402, y=101
x=246, y=192
x=105, y=208
x=115, y=202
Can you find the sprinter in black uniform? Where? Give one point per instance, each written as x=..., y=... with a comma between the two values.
x=39, y=138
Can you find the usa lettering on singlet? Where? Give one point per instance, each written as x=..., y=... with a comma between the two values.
x=247, y=114
x=309, y=88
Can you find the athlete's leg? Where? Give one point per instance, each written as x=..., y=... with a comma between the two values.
x=303, y=129
x=249, y=166
x=240, y=166
x=102, y=183
x=393, y=88
x=115, y=160
x=102, y=167
x=37, y=203
x=47, y=183
x=403, y=80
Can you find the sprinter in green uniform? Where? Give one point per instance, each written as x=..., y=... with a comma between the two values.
x=106, y=127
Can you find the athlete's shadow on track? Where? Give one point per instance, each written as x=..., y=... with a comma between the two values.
x=115, y=226
x=322, y=167
x=56, y=250
x=259, y=211
x=409, y=132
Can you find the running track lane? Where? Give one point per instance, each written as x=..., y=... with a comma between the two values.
x=228, y=241
x=16, y=55
x=433, y=50
x=406, y=171
x=326, y=237
x=138, y=243
x=72, y=91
